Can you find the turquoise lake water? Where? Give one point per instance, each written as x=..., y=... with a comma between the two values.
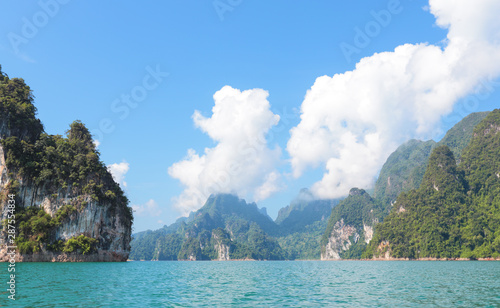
x=256, y=284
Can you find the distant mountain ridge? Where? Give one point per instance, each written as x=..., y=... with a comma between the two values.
x=456, y=211
x=303, y=211
x=223, y=209
x=403, y=171
x=227, y=227
x=405, y=167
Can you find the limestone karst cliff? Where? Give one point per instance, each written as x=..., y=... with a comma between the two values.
x=350, y=227
x=67, y=205
x=455, y=213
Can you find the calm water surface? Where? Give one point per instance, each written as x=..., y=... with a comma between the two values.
x=256, y=284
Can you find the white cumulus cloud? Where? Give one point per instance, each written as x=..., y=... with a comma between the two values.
x=118, y=171
x=272, y=183
x=241, y=162
x=351, y=122
x=150, y=208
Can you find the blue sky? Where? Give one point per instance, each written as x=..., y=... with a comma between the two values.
x=80, y=57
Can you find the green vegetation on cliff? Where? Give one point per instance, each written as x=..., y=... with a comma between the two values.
x=53, y=164
x=302, y=223
x=168, y=247
x=225, y=221
x=425, y=222
x=305, y=243
x=359, y=210
x=61, y=163
x=481, y=165
x=403, y=170
x=456, y=211
x=459, y=136
x=302, y=231
x=224, y=209
x=80, y=244
x=36, y=229
x=17, y=112
x=401, y=175
x=303, y=211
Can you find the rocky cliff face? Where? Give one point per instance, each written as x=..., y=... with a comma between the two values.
x=343, y=237
x=350, y=227
x=67, y=205
x=340, y=240
x=103, y=221
x=454, y=213
x=368, y=230
x=221, y=247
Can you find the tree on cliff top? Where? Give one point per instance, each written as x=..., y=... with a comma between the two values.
x=52, y=162
x=17, y=112
x=79, y=135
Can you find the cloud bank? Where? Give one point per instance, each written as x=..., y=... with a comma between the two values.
x=241, y=163
x=351, y=122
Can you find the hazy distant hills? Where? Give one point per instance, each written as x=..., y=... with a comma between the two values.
x=302, y=223
x=459, y=136
x=303, y=211
x=227, y=227
x=405, y=168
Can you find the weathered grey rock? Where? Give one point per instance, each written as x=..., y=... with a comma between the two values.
x=339, y=240
x=100, y=220
x=221, y=248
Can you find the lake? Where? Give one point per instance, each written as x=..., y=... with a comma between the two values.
x=256, y=284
